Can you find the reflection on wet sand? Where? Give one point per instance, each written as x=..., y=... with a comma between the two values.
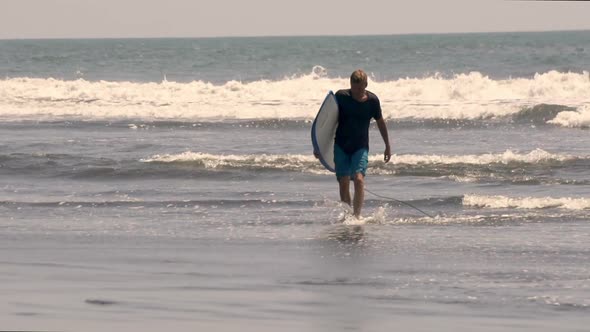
x=347, y=234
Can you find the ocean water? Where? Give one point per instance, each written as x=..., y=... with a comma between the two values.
x=169, y=183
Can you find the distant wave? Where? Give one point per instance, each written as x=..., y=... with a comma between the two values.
x=84, y=167
x=469, y=96
x=573, y=119
x=528, y=168
x=304, y=161
x=504, y=202
x=535, y=167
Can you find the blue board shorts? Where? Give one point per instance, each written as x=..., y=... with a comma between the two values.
x=349, y=164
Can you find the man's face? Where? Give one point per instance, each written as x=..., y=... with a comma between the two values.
x=358, y=88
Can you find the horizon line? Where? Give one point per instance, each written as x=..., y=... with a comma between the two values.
x=298, y=35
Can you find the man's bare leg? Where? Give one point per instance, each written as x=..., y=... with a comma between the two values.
x=344, y=184
x=359, y=193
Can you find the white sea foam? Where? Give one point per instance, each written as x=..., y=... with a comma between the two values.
x=465, y=96
x=310, y=163
x=503, y=202
x=307, y=163
x=533, y=157
x=379, y=216
x=574, y=119
x=214, y=161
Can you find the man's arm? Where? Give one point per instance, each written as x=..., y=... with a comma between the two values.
x=383, y=130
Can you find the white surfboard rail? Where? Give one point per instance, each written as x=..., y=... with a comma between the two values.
x=323, y=131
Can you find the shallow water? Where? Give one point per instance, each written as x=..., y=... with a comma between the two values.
x=197, y=204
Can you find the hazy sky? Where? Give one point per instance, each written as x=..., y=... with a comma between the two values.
x=209, y=18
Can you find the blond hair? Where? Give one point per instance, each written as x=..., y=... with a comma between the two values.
x=358, y=76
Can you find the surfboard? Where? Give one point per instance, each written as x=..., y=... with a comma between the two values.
x=323, y=131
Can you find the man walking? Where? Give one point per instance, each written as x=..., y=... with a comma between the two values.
x=356, y=107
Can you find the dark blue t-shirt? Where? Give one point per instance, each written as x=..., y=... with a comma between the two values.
x=354, y=118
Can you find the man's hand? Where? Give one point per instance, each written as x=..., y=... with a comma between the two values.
x=383, y=130
x=387, y=154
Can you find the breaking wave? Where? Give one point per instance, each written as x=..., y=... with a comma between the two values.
x=504, y=202
x=468, y=96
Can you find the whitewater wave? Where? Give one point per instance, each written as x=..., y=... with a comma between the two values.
x=532, y=168
x=573, y=119
x=290, y=162
x=527, y=168
x=469, y=96
x=304, y=161
x=504, y=202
